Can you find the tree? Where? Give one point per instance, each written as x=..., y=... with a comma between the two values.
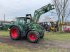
x=61, y=9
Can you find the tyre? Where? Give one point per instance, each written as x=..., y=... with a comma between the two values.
x=14, y=33
x=33, y=36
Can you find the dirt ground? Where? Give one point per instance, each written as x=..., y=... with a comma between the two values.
x=42, y=44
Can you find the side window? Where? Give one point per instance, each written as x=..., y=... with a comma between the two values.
x=28, y=20
x=22, y=21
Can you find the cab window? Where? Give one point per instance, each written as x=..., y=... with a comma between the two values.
x=22, y=21
x=28, y=20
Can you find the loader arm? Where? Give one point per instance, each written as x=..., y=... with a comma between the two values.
x=41, y=11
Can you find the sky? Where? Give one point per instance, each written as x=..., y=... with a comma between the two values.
x=17, y=8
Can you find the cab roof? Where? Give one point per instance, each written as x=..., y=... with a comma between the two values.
x=22, y=18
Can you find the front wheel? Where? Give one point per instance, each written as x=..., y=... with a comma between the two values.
x=33, y=36
x=14, y=33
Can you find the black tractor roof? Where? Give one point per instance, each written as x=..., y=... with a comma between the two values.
x=22, y=18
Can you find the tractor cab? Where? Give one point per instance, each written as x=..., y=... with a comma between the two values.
x=23, y=20
x=20, y=20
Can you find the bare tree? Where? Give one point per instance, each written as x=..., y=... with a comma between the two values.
x=64, y=9
x=57, y=7
x=67, y=16
x=61, y=9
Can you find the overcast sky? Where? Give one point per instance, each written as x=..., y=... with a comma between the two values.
x=14, y=8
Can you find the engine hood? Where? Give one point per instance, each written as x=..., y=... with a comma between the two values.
x=35, y=26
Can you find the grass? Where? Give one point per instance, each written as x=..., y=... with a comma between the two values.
x=57, y=36
x=4, y=33
x=48, y=35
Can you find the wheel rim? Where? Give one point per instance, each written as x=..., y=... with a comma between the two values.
x=32, y=37
x=14, y=33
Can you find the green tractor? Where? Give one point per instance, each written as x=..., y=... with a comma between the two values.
x=24, y=27
x=27, y=27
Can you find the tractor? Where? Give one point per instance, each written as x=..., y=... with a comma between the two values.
x=28, y=27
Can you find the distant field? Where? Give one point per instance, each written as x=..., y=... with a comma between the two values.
x=4, y=47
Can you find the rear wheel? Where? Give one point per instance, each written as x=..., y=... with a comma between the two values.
x=33, y=36
x=14, y=33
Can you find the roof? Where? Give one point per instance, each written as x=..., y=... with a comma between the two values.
x=19, y=17
x=22, y=17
